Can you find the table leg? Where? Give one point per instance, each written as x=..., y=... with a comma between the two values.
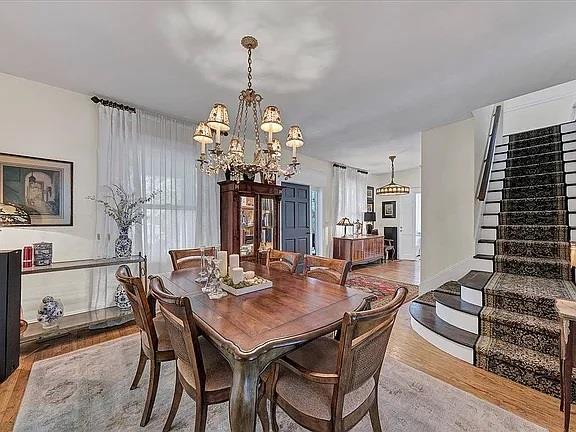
x=243, y=396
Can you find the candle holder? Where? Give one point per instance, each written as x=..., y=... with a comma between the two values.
x=202, y=274
x=212, y=287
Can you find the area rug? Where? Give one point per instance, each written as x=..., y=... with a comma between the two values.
x=88, y=390
x=383, y=289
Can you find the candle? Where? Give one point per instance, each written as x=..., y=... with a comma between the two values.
x=222, y=257
x=294, y=151
x=249, y=274
x=237, y=275
x=203, y=148
x=234, y=260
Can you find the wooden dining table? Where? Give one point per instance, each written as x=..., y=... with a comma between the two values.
x=254, y=329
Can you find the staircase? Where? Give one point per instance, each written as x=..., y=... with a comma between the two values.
x=501, y=316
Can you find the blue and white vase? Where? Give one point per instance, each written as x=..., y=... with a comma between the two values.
x=49, y=312
x=121, y=299
x=123, y=246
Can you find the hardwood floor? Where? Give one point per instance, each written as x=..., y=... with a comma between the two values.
x=397, y=270
x=405, y=346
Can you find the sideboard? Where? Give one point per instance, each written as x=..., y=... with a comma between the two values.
x=359, y=250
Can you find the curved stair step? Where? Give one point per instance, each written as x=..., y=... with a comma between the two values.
x=456, y=342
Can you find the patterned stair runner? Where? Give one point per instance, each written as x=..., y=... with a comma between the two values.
x=519, y=330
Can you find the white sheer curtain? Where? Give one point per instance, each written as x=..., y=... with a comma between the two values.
x=349, y=188
x=145, y=152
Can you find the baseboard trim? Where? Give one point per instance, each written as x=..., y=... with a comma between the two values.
x=454, y=272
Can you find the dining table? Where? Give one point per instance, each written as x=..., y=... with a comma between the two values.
x=252, y=330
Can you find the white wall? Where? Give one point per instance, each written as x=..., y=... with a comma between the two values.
x=448, y=180
x=405, y=206
x=543, y=108
x=44, y=121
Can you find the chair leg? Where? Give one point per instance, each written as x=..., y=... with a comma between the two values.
x=275, y=427
x=263, y=410
x=375, y=416
x=152, y=390
x=201, y=415
x=141, y=364
x=175, y=404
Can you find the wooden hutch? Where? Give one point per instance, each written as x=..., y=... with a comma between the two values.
x=249, y=218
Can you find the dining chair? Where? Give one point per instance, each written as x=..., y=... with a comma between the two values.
x=330, y=385
x=201, y=370
x=327, y=269
x=155, y=343
x=189, y=258
x=282, y=260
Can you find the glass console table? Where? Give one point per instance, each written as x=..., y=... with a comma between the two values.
x=92, y=320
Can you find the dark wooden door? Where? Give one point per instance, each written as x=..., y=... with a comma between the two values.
x=295, y=216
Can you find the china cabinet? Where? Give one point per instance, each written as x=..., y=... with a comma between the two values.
x=249, y=218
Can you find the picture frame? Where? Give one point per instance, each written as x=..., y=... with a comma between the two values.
x=388, y=209
x=370, y=207
x=41, y=187
x=370, y=193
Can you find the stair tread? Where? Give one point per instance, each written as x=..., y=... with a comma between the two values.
x=538, y=324
x=530, y=259
x=484, y=256
x=475, y=279
x=532, y=175
x=531, y=156
x=456, y=302
x=486, y=241
x=531, y=186
x=426, y=315
x=524, y=358
x=530, y=287
x=535, y=198
x=538, y=242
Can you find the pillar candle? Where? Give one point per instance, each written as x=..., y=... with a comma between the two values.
x=234, y=260
x=222, y=256
x=249, y=274
x=237, y=275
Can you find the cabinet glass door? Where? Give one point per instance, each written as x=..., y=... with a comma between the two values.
x=247, y=225
x=267, y=223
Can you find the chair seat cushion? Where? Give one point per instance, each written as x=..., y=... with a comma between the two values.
x=218, y=372
x=311, y=398
x=162, y=333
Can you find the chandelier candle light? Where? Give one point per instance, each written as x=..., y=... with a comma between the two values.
x=266, y=161
x=393, y=188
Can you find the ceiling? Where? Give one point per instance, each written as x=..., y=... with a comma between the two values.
x=360, y=78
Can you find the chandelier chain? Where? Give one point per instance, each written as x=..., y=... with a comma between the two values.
x=256, y=131
x=249, y=68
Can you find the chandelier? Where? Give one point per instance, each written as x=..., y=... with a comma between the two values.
x=393, y=188
x=266, y=160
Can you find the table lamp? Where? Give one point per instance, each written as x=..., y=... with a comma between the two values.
x=345, y=222
x=369, y=217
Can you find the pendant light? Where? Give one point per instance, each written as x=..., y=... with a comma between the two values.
x=393, y=188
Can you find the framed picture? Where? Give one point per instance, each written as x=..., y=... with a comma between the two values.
x=388, y=209
x=40, y=187
x=370, y=207
x=370, y=193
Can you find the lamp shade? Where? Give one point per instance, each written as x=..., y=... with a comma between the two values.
x=13, y=215
x=369, y=216
x=295, y=138
x=392, y=188
x=218, y=118
x=344, y=222
x=203, y=134
x=271, y=120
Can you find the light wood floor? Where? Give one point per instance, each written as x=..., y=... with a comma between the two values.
x=397, y=270
x=405, y=346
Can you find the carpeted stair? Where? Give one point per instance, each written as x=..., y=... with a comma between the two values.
x=519, y=329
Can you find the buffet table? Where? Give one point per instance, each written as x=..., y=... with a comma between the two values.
x=359, y=249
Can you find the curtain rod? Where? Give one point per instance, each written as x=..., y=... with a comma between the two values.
x=345, y=167
x=112, y=104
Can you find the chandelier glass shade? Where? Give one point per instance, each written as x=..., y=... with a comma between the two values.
x=266, y=160
x=393, y=188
